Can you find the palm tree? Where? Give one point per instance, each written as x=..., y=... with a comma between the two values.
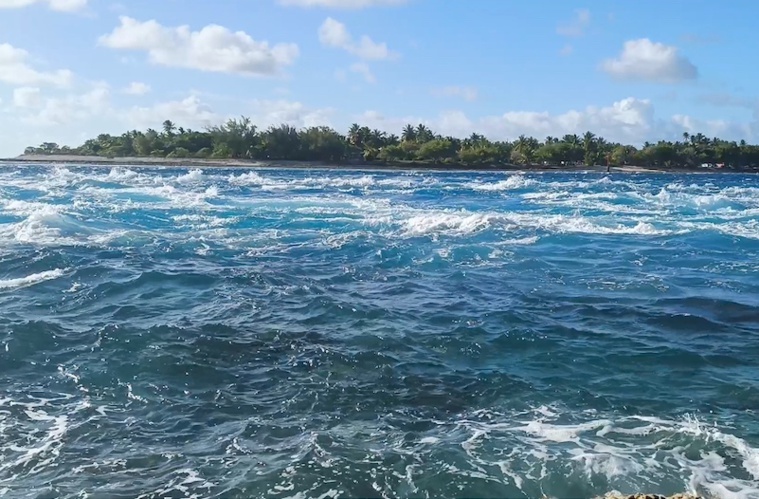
x=589, y=146
x=423, y=134
x=168, y=127
x=377, y=138
x=474, y=139
x=354, y=134
x=699, y=138
x=409, y=133
x=571, y=139
x=455, y=143
x=525, y=147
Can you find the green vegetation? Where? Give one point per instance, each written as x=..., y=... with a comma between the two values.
x=240, y=139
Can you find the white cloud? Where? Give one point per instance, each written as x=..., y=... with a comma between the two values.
x=566, y=50
x=59, y=5
x=36, y=117
x=713, y=128
x=27, y=97
x=455, y=123
x=137, y=88
x=334, y=34
x=578, y=24
x=193, y=112
x=364, y=70
x=69, y=117
x=275, y=112
x=629, y=120
x=467, y=93
x=188, y=112
x=342, y=4
x=71, y=108
x=214, y=48
x=37, y=114
x=15, y=69
x=645, y=60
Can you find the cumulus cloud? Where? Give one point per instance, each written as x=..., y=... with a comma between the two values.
x=190, y=112
x=577, y=26
x=275, y=112
x=36, y=114
x=714, y=128
x=16, y=70
x=342, y=4
x=629, y=120
x=214, y=48
x=333, y=33
x=52, y=111
x=59, y=5
x=27, y=97
x=467, y=93
x=644, y=60
x=195, y=112
x=137, y=88
x=455, y=123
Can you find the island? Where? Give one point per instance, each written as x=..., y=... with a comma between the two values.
x=239, y=142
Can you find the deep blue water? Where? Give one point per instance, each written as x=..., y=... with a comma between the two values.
x=239, y=334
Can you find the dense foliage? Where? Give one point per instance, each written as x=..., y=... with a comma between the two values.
x=240, y=139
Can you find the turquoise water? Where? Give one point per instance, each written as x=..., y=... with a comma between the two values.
x=236, y=333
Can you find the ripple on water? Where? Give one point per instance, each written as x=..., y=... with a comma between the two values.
x=227, y=333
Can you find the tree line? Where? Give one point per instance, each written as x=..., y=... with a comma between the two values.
x=238, y=138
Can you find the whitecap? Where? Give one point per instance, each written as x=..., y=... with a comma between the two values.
x=453, y=223
x=511, y=183
x=32, y=279
x=193, y=176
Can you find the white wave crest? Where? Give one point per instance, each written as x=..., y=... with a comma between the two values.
x=193, y=176
x=512, y=183
x=247, y=178
x=121, y=174
x=450, y=223
x=32, y=279
x=464, y=223
x=706, y=458
x=43, y=225
x=39, y=449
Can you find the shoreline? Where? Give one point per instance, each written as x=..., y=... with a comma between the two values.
x=150, y=162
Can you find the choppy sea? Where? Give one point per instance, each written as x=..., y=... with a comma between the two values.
x=232, y=333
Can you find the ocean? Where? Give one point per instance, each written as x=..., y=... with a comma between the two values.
x=235, y=333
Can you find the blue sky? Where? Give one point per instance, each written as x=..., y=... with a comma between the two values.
x=630, y=71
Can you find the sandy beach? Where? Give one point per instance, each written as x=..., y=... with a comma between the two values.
x=241, y=163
